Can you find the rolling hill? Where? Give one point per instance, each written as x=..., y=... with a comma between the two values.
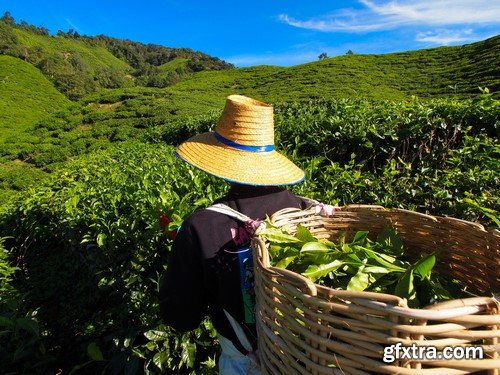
x=27, y=96
x=66, y=94
x=446, y=71
x=79, y=65
x=434, y=72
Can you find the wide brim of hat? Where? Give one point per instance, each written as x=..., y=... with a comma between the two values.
x=270, y=168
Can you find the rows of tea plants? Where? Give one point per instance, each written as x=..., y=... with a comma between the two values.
x=84, y=251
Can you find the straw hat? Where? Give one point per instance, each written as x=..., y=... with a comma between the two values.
x=241, y=149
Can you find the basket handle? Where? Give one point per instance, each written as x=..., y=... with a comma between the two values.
x=262, y=253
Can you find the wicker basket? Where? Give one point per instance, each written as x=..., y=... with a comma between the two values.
x=305, y=328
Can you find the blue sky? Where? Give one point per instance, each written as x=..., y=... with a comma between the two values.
x=273, y=32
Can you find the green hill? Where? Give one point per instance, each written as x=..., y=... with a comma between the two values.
x=79, y=65
x=434, y=72
x=74, y=66
x=27, y=96
x=117, y=114
x=439, y=72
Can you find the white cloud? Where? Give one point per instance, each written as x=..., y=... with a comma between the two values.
x=278, y=59
x=445, y=37
x=384, y=15
x=332, y=23
x=438, y=12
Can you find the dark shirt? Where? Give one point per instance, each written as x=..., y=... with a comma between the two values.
x=210, y=266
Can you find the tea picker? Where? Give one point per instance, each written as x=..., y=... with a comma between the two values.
x=210, y=270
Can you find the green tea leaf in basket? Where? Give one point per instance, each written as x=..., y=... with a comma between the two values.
x=284, y=262
x=320, y=257
x=278, y=236
x=391, y=241
x=376, y=269
x=303, y=234
x=443, y=293
x=424, y=266
x=359, y=281
x=283, y=251
x=384, y=260
x=315, y=247
x=315, y=271
x=360, y=236
x=404, y=287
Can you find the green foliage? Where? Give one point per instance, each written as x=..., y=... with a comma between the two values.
x=445, y=71
x=141, y=56
x=16, y=177
x=414, y=131
x=468, y=192
x=6, y=272
x=21, y=348
x=101, y=228
x=394, y=143
x=95, y=219
x=73, y=65
x=27, y=97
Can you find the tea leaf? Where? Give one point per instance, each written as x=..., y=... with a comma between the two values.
x=391, y=241
x=304, y=234
x=424, y=266
x=316, y=271
x=284, y=262
x=314, y=247
x=277, y=236
x=404, y=287
x=359, y=281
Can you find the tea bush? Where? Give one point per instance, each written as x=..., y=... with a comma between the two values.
x=21, y=348
x=90, y=253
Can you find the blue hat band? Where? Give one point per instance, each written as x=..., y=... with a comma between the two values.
x=239, y=146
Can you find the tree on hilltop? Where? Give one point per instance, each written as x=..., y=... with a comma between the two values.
x=8, y=19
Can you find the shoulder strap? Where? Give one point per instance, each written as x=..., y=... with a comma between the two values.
x=226, y=210
x=238, y=330
x=251, y=225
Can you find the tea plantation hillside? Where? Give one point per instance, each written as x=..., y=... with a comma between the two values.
x=457, y=71
x=114, y=115
x=27, y=96
x=78, y=65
